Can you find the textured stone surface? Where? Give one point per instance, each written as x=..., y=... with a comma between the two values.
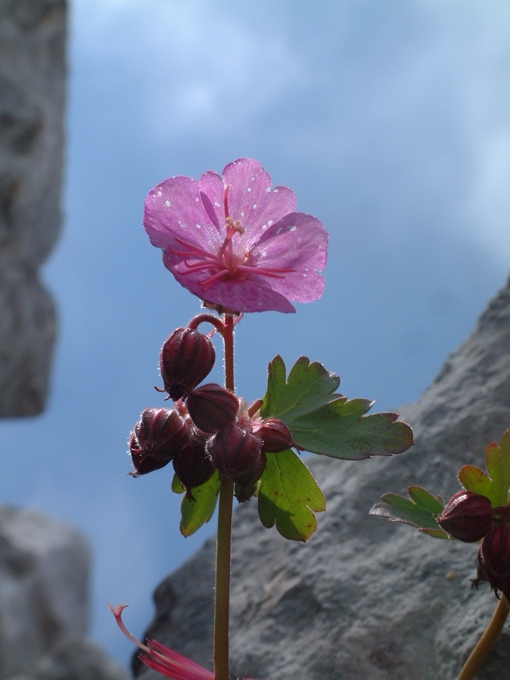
x=32, y=82
x=44, y=569
x=75, y=659
x=44, y=578
x=364, y=598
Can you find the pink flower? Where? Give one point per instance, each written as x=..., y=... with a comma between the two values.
x=163, y=659
x=235, y=242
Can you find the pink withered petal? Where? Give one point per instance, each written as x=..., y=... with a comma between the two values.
x=161, y=658
x=235, y=242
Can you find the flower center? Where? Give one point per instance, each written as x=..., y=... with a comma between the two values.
x=224, y=264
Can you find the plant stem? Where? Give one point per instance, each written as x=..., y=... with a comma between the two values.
x=224, y=538
x=486, y=642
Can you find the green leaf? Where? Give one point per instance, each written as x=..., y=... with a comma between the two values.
x=288, y=495
x=420, y=510
x=177, y=485
x=494, y=485
x=327, y=423
x=195, y=513
x=425, y=500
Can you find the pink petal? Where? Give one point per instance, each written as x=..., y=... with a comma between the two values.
x=174, y=208
x=299, y=242
x=174, y=665
x=251, y=201
x=212, y=185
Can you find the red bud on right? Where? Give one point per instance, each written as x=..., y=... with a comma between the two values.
x=275, y=435
x=467, y=516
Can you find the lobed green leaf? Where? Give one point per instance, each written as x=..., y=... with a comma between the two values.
x=288, y=496
x=326, y=423
x=496, y=483
x=419, y=510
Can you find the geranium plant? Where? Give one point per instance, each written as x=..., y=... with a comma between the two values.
x=241, y=247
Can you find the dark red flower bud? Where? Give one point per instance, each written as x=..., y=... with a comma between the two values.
x=187, y=357
x=467, y=516
x=191, y=464
x=211, y=407
x=275, y=435
x=158, y=436
x=235, y=451
x=496, y=549
x=246, y=481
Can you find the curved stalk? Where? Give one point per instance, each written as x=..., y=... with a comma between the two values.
x=486, y=642
x=224, y=538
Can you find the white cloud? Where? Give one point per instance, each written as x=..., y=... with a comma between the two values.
x=197, y=68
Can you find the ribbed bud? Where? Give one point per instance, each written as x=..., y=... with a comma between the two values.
x=235, y=451
x=211, y=407
x=467, y=516
x=245, y=481
x=191, y=464
x=158, y=436
x=275, y=435
x=186, y=358
x=494, y=558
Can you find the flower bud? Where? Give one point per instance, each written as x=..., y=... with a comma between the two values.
x=275, y=435
x=235, y=451
x=158, y=436
x=191, y=464
x=494, y=558
x=467, y=516
x=245, y=481
x=186, y=358
x=211, y=407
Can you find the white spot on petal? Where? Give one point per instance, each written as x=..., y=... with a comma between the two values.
x=168, y=204
x=196, y=199
x=279, y=231
x=242, y=214
x=264, y=253
x=160, y=193
x=198, y=226
x=249, y=188
x=217, y=204
x=293, y=228
x=264, y=226
x=254, y=206
x=269, y=223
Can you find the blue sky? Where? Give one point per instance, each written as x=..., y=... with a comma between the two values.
x=391, y=123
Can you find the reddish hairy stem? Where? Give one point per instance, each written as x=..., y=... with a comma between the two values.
x=206, y=318
x=224, y=538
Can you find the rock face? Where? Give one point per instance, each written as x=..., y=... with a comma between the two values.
x=364, y=598
x=44, y=569
x=32, y=81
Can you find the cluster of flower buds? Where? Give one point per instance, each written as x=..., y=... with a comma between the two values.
x=207, y=430
x=470, y=517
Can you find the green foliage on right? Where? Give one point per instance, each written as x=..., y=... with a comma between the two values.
x=419, y=510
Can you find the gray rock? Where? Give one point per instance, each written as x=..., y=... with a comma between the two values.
x=32, y=82
x=75, y=659
x=364, y=598
x=44, y=570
